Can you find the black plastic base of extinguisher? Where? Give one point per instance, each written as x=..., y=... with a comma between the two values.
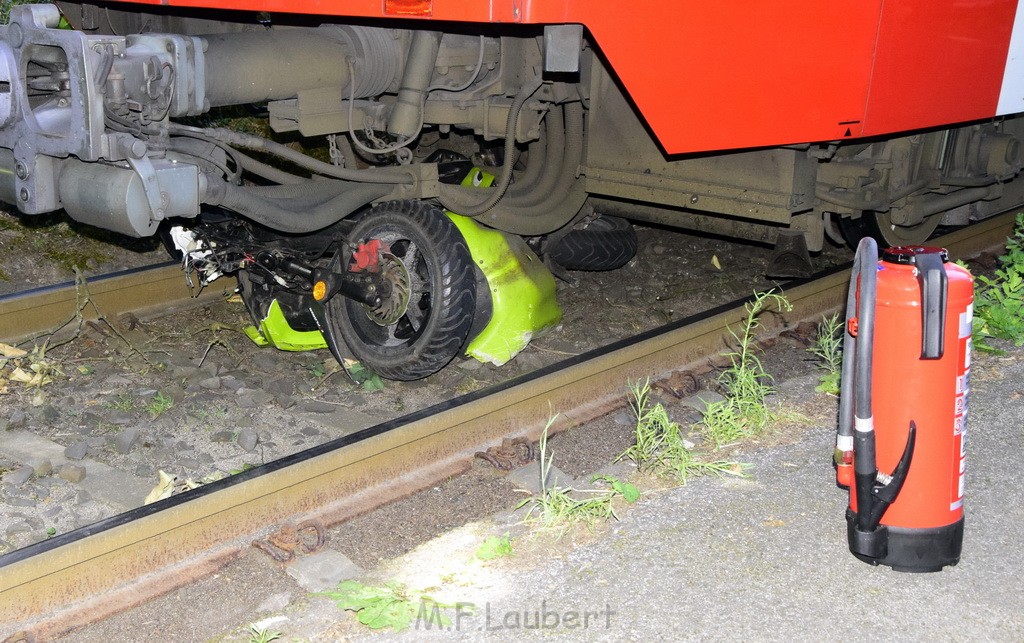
x=869, y=546
x=907, y=550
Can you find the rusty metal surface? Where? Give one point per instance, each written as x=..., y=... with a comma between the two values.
x=151, y=289
x=85, y=575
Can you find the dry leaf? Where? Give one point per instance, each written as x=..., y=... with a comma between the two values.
x=162, y=490
x=6, y=350
x=19, y=375
x=715, y=262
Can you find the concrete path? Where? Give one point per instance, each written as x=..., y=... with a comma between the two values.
x=766, y=559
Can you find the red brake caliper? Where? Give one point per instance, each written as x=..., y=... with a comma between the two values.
x=367, y=256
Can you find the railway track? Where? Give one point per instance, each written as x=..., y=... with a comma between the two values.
x=89, y=573
x=140, y=290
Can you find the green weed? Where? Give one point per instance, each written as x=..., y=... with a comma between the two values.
x=495, y=547
x=828, y=348
x=64, y=244
x=390, y=605
x=627, y=490
x=262, y=635
x=999, y=300
x=317, y=370
x=660, y=447
x=159, y=404
x=744, y=412
x=366, y=378
x=125, y=403
x=213, y=414
x=560, y=507
x=724, y=424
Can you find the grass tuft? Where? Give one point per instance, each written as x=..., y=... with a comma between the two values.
x=828, y=348
x=560, y=507
x=744, y=412
x=660, y=447
x=999, y=300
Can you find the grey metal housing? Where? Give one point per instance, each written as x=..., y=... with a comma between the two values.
x=87, y=111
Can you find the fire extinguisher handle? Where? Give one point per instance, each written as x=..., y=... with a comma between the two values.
x=886, y=494
x=931, y=275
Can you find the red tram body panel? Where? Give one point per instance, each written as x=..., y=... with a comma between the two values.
x=715, y=76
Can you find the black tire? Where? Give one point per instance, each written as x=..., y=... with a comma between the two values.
x=606, y=243
x=879, y=226
x=431, y=327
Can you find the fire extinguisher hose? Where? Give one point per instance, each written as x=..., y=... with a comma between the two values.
x=856, y=423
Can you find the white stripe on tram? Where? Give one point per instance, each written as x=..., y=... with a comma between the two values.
x=1011, y=96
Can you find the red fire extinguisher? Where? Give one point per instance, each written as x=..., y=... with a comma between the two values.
x=903, y=407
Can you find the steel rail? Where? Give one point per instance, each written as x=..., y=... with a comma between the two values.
x=95, y=571
x=140, y=290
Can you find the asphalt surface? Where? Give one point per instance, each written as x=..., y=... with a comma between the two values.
x=763, y=558
x=766, y=558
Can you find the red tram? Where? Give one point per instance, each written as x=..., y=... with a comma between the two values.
x=754, y=120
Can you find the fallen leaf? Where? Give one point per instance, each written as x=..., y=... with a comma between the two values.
x=6, y=350
x=19, y=375
x=715, y=262
x=162, y=490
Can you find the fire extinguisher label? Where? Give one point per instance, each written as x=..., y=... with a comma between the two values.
x=966, y=319
x=961, y=384
x=960, y=412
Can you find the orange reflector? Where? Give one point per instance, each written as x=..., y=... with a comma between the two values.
x=319, y=290
x=408, y=7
